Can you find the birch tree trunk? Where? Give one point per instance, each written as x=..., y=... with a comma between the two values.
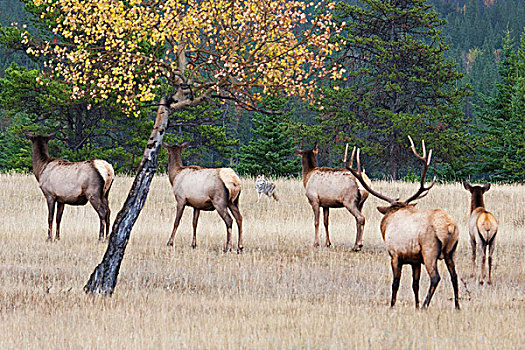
x=104, y=278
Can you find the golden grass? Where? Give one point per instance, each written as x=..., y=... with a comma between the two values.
x=280, y=293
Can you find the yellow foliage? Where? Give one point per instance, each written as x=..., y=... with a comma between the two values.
x=232, y=46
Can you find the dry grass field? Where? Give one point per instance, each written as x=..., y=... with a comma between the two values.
x=280, y=293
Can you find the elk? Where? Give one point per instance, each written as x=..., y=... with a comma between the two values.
x=74, y=183
x=204, y=189
x=332, y=188
x=414, y=236
x=483, y=227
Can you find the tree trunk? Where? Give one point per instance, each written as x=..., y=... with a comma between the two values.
x=104, y=279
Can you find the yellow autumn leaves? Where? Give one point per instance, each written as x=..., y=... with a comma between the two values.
x=127, y=48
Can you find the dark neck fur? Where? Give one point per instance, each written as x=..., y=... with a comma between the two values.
x=476, y=200
x=174, y=162
x=40, y=157
x=309, y=162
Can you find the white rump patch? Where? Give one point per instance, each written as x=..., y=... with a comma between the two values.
x=231, y=180
x=106, y=171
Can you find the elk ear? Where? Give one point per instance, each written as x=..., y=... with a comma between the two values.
x=165, y=145
x=486, y=187
x=51, y=136
x=298, y=152
x=467, y=186
x=29, y=136
x=184, y=145
x=383, y=210
x=316, y=148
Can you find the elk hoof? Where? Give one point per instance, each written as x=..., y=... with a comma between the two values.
x=227, y=249
x=328, y=244
x=316, y=245
x=170, y=244
x=194, y=245
x=357, y=248
x=49, y=239
x=240, y=249
x=481, y=282
x=489, y=283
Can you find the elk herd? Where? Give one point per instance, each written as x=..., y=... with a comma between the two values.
x=411, y=236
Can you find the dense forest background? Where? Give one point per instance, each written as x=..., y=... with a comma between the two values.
x=477, y=133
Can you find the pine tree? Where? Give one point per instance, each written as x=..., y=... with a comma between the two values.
x=272, y=150
x=502, y=131
x=398, y=83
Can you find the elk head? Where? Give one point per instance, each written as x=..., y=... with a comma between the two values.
x=395, y=204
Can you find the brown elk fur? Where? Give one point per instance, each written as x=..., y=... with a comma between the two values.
x=417, y=237
x=332, y=188
x=204, y=189
x=483, y=228
x=74, y=183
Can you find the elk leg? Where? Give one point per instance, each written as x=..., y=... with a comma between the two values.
x=234, y=208
x=60, y=211
x=326, y=213
x=102, y=210
x=492, y=245
x=51, y=212
x=449, y=260
x=416, y=274
x=108, y=219
x=108, y=215
x=315, y=208
x=258, y=197
x=473, y=245
x=178, y=216
x=223, y=212
x=431, y=266
x=483, y=252
x=196, y=213
x=396, y=270
x=360, y=223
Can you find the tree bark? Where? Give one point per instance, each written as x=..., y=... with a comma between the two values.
x=104, y=278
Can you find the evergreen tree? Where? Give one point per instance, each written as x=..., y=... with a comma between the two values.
x=272, y=150
x=502, y=131
x=399, y=83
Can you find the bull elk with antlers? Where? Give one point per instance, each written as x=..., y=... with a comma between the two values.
x=416, y=237
x=204, y=189
x=74, y=183
x=332, y=188
x=483, y=227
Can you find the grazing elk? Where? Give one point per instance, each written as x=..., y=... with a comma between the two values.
x=204, y=189
x=74, y=183
x=332, y=188
x=416, y=236
x=483, y=227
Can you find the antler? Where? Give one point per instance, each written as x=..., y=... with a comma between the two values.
x=422, y=191
x=351, y=157
x=359, y=175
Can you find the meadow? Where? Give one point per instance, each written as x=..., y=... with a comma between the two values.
x=281, y=292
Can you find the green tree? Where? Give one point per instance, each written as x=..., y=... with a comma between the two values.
x=502, y=120
x=89, y=127
x=272, y=149
x=196, y=50
x=398, y=83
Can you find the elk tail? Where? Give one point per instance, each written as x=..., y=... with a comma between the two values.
x=449, y=243
x=106, y=172
x=232, y=182
x=487, y=227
